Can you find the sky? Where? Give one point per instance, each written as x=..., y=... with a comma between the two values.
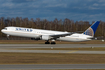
x=76, y=10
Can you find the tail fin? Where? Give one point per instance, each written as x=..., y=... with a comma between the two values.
x=92, y=29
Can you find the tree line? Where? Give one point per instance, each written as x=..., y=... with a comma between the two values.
x=57, y=25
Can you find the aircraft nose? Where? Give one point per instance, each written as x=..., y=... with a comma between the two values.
x=2, y=30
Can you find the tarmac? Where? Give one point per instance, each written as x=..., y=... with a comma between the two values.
x=16, y=47
x=52, y=66
x=49, y=45
x=53, y=51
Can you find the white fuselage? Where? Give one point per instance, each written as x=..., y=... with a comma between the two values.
x=38, y=33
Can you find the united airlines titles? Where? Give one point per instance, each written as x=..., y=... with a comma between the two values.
x=24, y=29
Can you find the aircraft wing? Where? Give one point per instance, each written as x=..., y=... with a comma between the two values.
x=64, y=34
x=60, y=35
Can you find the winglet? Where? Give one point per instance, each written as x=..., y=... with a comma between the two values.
x=92, y=29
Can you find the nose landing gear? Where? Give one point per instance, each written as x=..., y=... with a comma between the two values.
x=7, y=37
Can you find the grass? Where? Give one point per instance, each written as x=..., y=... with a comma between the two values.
x=41, y=58
x=42, y=42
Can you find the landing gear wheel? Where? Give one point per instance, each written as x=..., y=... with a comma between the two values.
x=47, y=42
x=53, y=43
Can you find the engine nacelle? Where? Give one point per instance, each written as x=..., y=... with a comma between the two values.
x=45, y=37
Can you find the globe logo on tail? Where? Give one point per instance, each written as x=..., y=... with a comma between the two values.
x=89, y=32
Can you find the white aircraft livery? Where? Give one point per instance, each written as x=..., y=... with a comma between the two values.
x=48, y=35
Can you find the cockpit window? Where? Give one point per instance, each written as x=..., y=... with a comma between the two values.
x=5, y=28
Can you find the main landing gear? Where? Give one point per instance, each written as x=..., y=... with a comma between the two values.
x=47, y=42
x=53, y=43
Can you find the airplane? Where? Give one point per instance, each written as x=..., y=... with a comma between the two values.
x=49, y=35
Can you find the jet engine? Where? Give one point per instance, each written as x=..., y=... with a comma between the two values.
x=45, y=37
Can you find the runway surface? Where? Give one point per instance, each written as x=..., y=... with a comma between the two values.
x=53, y=51
x=16, y=47
x=49, y=46
x=53, y=66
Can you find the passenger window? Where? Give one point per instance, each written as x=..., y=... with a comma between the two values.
x=5, y=28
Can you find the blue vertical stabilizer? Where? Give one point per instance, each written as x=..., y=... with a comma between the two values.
x=92, y=29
